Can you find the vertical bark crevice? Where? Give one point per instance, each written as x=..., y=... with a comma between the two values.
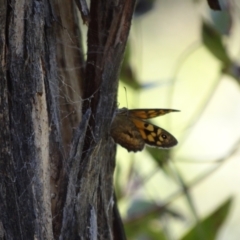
x=51, y=186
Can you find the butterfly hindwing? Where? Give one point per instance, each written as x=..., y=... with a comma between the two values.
x=125, y=133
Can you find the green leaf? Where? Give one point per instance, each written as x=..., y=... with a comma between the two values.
x=213, y=41
x=160, y=156
x=208, y=227
x=127, y=74
x=140, y=225
x=144, y=220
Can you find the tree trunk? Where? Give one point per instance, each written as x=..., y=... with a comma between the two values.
x=56, y=156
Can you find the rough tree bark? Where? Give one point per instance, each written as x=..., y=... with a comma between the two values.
x=56, y=156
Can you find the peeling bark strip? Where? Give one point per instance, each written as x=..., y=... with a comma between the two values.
x=107, y=36
x=45, y=191
x=30, y=110
x=74, y=163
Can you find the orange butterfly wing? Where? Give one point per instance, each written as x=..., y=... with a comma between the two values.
x=149, y=113
x=154, y=135
x=131, y=131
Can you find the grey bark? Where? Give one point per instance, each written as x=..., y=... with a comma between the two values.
x=56, y=165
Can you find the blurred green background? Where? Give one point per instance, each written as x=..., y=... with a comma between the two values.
x=182, y=55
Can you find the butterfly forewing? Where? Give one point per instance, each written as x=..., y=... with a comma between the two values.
x=149, y=113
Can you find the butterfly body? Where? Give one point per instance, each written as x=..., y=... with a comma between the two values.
x=131, y=130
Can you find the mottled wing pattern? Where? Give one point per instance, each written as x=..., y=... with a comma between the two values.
x=131, y=131
x=154, y=135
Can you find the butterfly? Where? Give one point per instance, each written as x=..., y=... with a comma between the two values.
x=131, y=130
